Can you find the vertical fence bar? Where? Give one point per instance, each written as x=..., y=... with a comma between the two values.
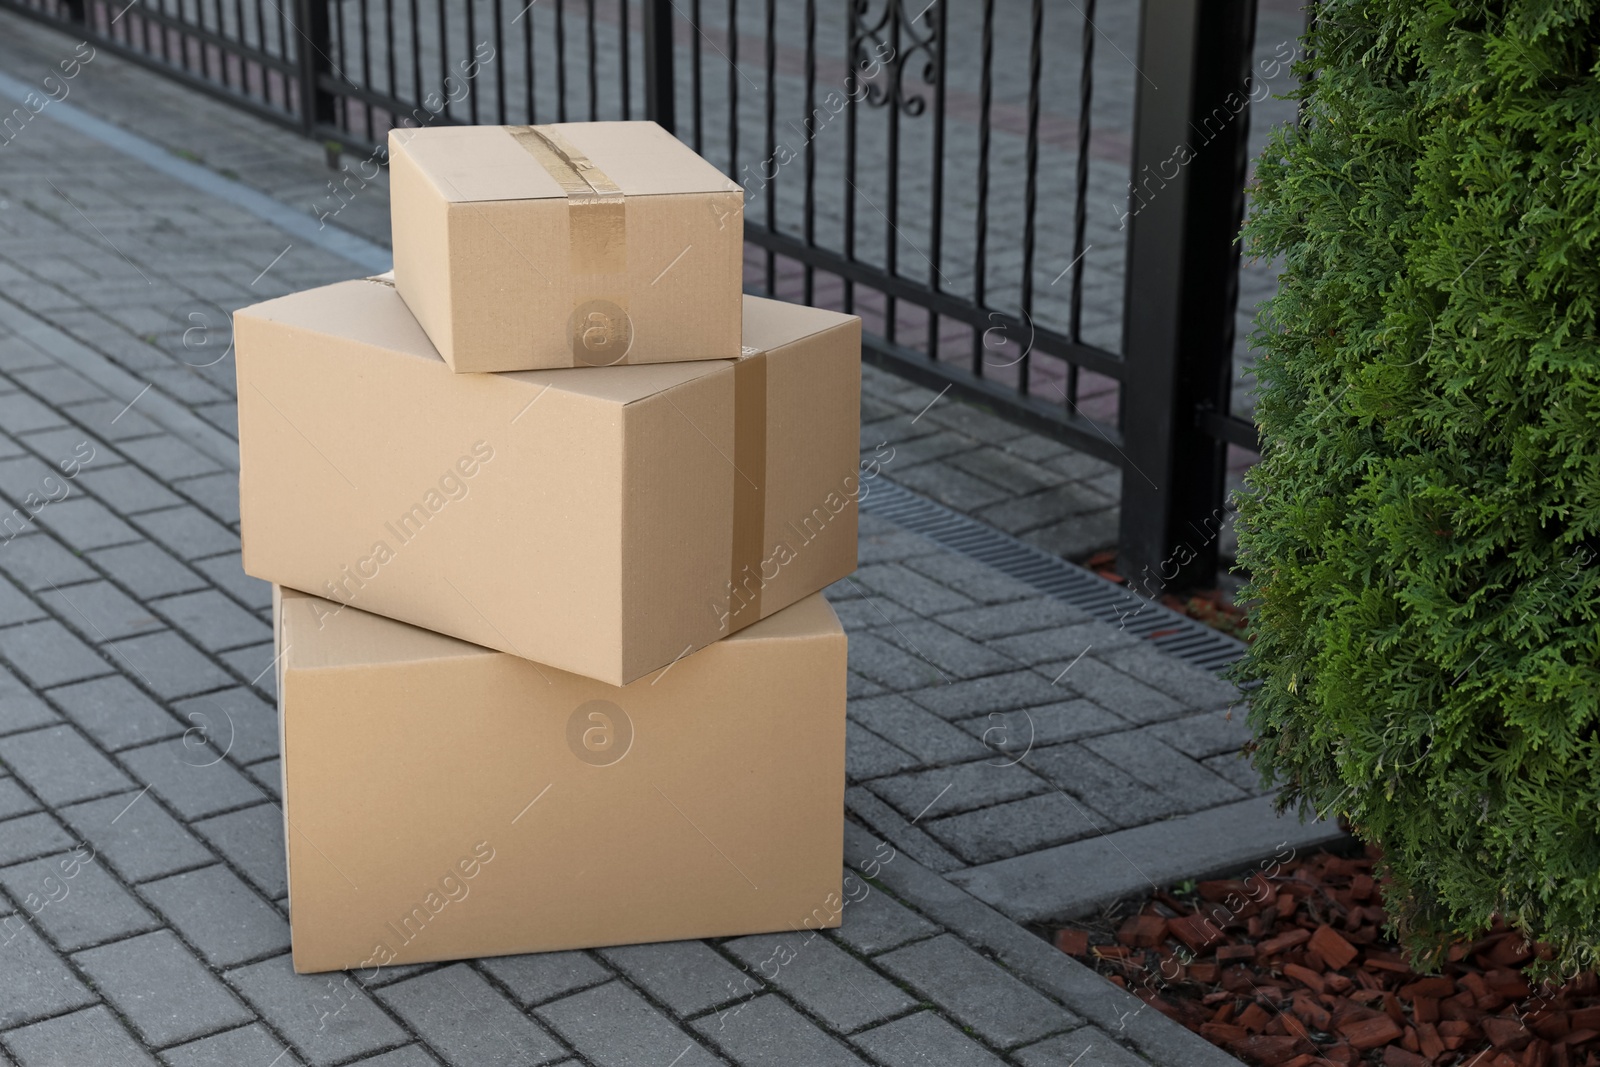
x=527, y=62
x=316, y=105
x=624, y=42
x=891, y=231
x=561, y=61
x=660, y=79
x=1080, y=197
x=733, y=89
x=980, y=254
x=696, y=78
x=594, y=63
x=1030, y=192
x=771, y=163
x=1183, y=271
x=444, y=54
x=936, y=189
x=471, y=41
x=809, y=223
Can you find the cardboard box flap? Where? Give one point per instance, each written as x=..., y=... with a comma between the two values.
x=370, y=312
x=771, y=324
x=308, y=622
x=472, y=164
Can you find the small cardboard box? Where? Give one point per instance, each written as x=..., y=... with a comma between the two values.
x=604, y=520
x=578, y=244
x=444, y=801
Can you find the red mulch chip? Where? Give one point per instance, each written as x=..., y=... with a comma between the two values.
x=1295, y=971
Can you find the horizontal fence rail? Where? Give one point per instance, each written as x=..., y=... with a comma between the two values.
x=966, y=176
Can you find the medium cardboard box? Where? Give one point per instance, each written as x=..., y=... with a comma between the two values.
x=578, y=244
x=604, y=520
x=444, y=801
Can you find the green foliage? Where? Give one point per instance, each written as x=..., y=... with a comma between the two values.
x=1422, y=530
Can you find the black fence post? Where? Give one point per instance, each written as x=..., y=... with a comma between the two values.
x=315, y=43
x=1190, y=159
x=76, y=11
x=660, y=88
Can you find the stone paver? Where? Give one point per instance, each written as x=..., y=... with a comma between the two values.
x=135, y=718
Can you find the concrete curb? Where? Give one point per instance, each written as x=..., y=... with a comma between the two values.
x=1121, y=1015
x=1073, y=880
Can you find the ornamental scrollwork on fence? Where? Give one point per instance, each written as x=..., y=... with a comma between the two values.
x=888, y=39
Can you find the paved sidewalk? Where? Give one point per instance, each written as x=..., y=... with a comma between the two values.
x=1009, y=758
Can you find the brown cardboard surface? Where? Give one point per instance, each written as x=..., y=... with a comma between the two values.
x=708, y=803
x=511, y=261
x=586, y=518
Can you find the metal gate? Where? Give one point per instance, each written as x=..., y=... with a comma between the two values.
x=1031, y=204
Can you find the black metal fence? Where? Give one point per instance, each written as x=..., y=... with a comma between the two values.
x=1031, y=204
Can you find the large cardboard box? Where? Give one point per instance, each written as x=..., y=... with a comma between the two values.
x=445, y=801
x=604, y=520
x=579, y=244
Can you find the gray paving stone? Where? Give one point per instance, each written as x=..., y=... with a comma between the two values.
x=766, y=1032
x=612, y=1026
x=1078, y=537
x=1113, y=792
x=100, y=611
x=65, y=444
x=326, y=1018
x=1188, y=685
x=14, y=800
x=248, y=1046
x=951, y=487
x=929, y=738
x=1015, y=617
x=36, y=981
x=906, y=587
x=1021, y=514
x=461, y=1016
x=46, y=654
x=15, y=605
x=236, y=720
x=229, y=576
x=945, y=791
x=410, y=1056
x=861, y=613
x=59, y=386
x=217, y=493
x=686, y=976
x=20, y=413
x=822, y=978
x=98, y=415
x=37, y=562
x=976, y=992
x=254, y=663
x=1111, y=688
x=252, y=838
x=890, y=544
x=169, y=666
x=27, y=836
x=19, y=708
x=1085, y=1047
x=1164, y=769
x=223, y=917
x=1063, y=644
x=145, y=570
x=866, y=755
x=61, y=766
x=1018, y=826
x=188, y=532
x=1236, y=768
x=85, y=524
x=954, y=655
x=113, y=712
x=997, y=692
x=128, y=489
x=135, y=835
x=168, y=458
x=212, y=621
x=874, y=922
x=978, y=581
x=165, y=992
x=1210, y=733
x=922, y=1039
x=857, y=686
x=862, y=803
x=1007, y=470
x=84, y=1037
x=78, y=911
x=186, y=777
x=268, y=774
x=1012, y=735
x=534, y=979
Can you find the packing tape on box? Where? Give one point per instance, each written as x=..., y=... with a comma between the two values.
x=599, y=329
x=749, y=487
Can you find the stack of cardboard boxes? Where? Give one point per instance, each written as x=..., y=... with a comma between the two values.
x=547, y=513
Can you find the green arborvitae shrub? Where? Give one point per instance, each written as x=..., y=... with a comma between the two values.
x=1422, y=531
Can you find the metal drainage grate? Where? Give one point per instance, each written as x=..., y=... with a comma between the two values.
x=1177, y=635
